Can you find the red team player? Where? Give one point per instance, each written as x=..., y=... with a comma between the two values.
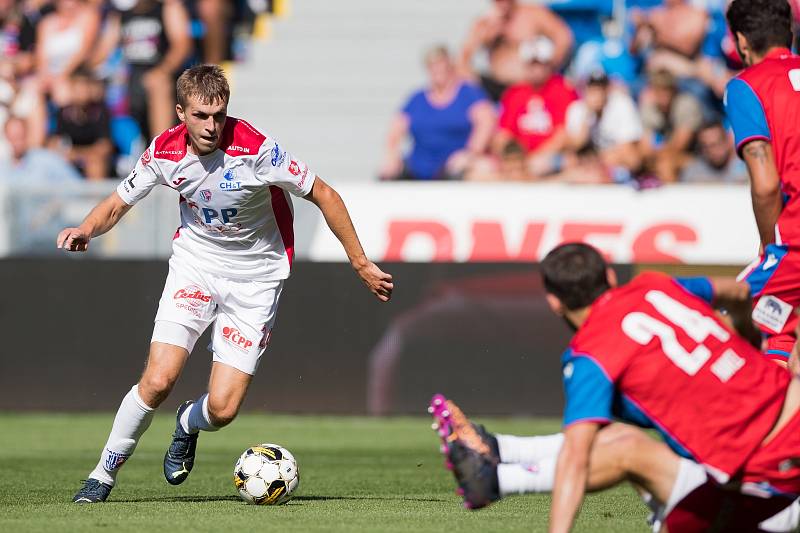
x=763, y=106
x=653, y=354
x=230, y=258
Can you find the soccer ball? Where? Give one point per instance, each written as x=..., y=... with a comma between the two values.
x=266, y=474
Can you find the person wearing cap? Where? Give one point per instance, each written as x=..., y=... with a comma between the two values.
x=534, y=111
x=606, y=123
x=671, y=119
x=500, y=32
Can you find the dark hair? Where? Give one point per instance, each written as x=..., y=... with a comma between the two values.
x=765, y=23
x=711, y=124
x=207, y=83
x=575, y=273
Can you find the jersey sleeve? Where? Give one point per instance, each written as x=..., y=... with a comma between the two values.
x=588, y=391
x=699, y=286
x=745, y=113
x=144, y=176
x=275, y=166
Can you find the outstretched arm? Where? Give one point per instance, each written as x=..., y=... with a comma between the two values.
x=338, y=220
x=572, y=473
x=102, y=218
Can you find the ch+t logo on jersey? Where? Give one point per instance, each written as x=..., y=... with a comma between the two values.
x=230, y=183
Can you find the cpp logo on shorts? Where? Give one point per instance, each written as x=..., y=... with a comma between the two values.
x=235, y=337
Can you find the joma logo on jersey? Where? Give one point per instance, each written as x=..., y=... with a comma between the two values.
x=223, y=215
x=235, y=337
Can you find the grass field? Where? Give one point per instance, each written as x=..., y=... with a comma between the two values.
x=357, y=474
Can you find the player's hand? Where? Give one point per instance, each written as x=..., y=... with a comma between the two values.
x=376, y=280
x=73, y=240
x=729, y=289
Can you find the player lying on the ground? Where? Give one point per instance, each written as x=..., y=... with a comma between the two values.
x=651, y=353
x=231, y=255
x=763, y=107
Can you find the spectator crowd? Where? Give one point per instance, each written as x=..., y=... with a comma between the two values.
x=632, y=95
x=85, y=84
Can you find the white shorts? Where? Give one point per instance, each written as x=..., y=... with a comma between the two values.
x=243, y=313
x=697, y=503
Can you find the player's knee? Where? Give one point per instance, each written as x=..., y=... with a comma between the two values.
x=222, y=412
x=155, y=388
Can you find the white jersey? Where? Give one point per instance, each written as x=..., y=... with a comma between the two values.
x=236, y=215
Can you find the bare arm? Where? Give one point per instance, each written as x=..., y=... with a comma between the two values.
x=765, y=189
x=572, y=473
x=338, y=220
x=554, y=28
x=108, y=40
x=102, y=218
x=393, y=162
x=176, y=28
x=472, y=44
x=483, y=120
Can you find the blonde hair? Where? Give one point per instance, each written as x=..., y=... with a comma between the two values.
x=207, y=83
x=438, y=51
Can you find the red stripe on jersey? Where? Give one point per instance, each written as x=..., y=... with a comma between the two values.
x=239, y=138
x=284, y=218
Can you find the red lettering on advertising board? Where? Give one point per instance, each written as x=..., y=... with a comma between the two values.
x=581, y=231
x=489, y=242
x=648, y=245
x=400, y=231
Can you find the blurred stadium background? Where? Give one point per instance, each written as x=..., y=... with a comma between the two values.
x=329, y=80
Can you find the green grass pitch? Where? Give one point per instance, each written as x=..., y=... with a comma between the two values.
x=357, y=474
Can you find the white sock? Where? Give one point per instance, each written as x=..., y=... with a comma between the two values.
x=196, y=418
x=528, y=450
x=525, y=479
x=133, y=418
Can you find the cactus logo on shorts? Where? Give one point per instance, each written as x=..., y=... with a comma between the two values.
x=191, y=298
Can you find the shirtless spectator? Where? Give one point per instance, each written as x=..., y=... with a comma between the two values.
x=534, y=111
x=155, y=42
x=716, y=159
x=606, y=123
x=83, y=130
x=450, y=123
x=64, y=41
x=677, y=28
x=671, y=119
x=499, y=33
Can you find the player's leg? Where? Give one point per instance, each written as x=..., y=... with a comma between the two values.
x=164, y=365
x=240, y=337
x=184, y=311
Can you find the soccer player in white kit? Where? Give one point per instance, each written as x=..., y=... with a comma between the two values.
x=230, y=258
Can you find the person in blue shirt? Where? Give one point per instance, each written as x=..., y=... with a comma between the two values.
x=450, y=123
x=32, y=166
